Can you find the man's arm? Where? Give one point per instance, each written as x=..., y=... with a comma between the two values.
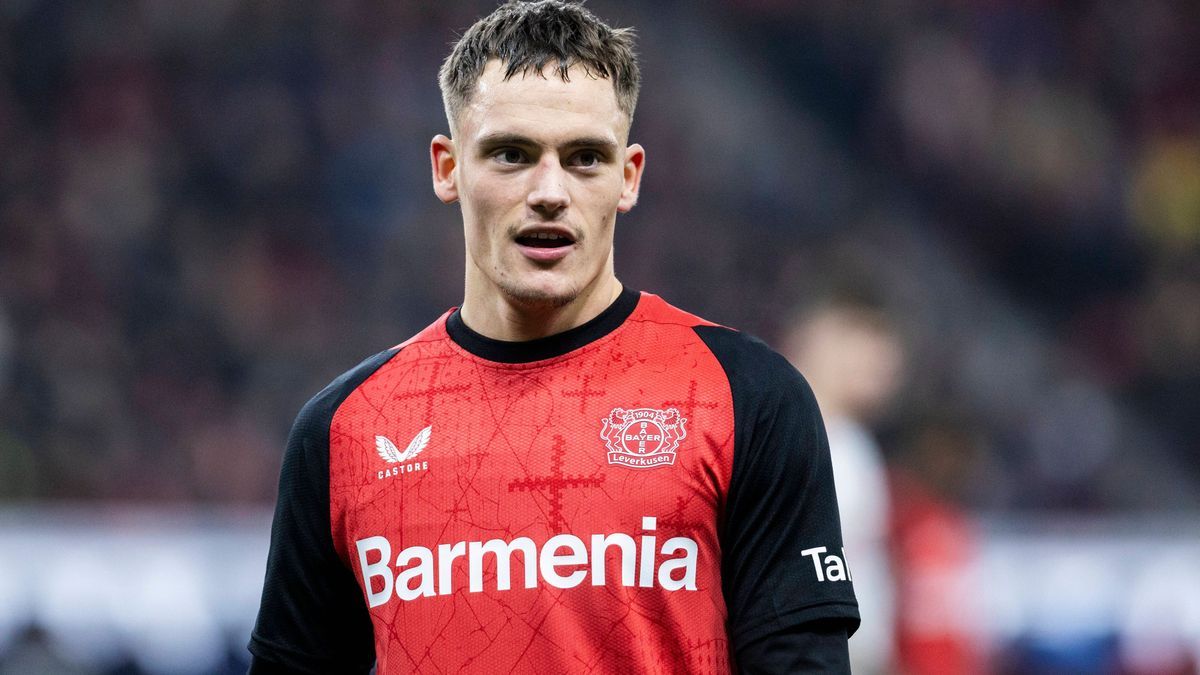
x=784, y=575
x=313, y=618
x=815, y=647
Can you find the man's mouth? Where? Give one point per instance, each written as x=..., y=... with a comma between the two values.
x=545, y=240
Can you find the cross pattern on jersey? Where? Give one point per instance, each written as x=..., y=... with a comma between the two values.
x=616, y=498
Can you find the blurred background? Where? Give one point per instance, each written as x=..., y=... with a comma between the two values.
x=974, y=226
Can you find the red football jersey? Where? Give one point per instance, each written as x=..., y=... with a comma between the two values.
x=643, y=493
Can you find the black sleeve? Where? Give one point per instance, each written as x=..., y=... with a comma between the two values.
x=784, y=575
x=815, y=647
x=313, y=618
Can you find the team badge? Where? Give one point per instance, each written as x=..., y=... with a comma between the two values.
x=643, y=437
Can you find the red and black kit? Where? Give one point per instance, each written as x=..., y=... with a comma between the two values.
x=645, y=493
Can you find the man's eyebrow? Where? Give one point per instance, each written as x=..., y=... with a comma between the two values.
x=597, y=142
x=505, y=138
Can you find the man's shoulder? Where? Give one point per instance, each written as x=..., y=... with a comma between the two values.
x=746, y=357
x=726, y=342
x=434, y=332
x=748, y=361
x=325, y=402
x=654, y=309
x=756, y=372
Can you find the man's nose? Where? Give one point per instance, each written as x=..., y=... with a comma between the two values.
x=548, y=194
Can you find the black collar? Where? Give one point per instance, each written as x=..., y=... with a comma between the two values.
x=503, y=351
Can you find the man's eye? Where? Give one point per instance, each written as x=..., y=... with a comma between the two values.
x=510, y=156
x=587, y=158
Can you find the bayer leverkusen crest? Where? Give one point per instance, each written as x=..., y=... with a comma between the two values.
x=643, y=438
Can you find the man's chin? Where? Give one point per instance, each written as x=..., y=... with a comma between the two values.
x=534, y=298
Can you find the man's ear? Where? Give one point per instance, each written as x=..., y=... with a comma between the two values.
x=635, y=161
x=444, y=165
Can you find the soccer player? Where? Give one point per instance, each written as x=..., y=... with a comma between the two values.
x=561, y=475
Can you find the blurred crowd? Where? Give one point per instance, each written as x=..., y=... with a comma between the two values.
x=208, y=209
x=1044, y=165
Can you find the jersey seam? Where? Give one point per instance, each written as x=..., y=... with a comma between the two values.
x=399, y=348
x=731, y=440
x=345, y=560
x=691, y=325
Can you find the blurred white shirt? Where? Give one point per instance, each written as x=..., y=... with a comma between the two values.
x=860, y=477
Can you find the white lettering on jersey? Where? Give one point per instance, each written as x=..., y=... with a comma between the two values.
x=830, y=568
x=371, y=570
x=528, y=551
x=420, y=562
x=564, y=561
x=402, y=461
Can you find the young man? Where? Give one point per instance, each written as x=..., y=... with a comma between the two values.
x=561, y=475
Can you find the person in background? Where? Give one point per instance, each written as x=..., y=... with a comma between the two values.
x=853, y=357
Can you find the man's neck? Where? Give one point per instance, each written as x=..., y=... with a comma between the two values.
x=502, y=318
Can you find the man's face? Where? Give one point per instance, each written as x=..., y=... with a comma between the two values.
x=541, y=169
